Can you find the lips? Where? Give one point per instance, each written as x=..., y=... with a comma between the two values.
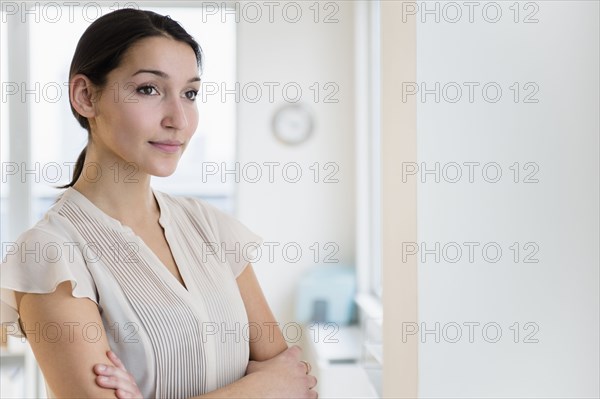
x=168, y=146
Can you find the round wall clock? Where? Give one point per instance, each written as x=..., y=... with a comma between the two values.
x=293, y=124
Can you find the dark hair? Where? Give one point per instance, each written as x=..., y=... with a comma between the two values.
x=106, y=40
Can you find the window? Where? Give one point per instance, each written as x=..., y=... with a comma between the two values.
x=52, y=138
x=368, y=151
x=369, y=267
x=4, y=140
x=375, y=157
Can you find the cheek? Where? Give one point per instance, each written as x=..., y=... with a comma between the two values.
x=193, y=118
x=136, y=121
x=125, y=131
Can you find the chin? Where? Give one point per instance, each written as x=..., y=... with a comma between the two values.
x=163, y=171
x=162, y=174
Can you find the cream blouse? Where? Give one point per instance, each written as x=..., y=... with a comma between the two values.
x=176, y=342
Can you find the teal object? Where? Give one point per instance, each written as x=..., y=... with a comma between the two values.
x=326, y=294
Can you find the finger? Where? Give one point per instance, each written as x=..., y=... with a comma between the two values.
x=107, y=370
x=106, y=382
x=120, y=391
x=115, y=359
x=307, y=366
x=295, y=350
x=122, y=394
x=102, y=369
x=310, y=382
x=117, y=384
x=115, y=378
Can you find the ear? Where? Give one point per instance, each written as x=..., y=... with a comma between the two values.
x=82, y=94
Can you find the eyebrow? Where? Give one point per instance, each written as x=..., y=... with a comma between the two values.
x=163, y=75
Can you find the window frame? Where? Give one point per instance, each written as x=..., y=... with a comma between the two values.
x=368, y=155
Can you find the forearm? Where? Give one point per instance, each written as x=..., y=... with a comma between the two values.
x=283, y=376
x=272, y=344
x=266, y=340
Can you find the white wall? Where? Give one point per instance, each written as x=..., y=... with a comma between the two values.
x=305, y=212
x=559, y=213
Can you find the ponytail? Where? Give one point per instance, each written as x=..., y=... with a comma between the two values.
x=78, y=169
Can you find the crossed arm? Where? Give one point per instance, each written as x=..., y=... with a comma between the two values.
x=270, y=342
x=67, y=364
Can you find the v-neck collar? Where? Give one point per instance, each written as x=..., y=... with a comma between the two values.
x=163, y=220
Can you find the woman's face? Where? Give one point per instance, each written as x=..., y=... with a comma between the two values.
x=146, y=113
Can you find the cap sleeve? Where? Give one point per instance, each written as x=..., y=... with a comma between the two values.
x=37, y=263
x=236, y=243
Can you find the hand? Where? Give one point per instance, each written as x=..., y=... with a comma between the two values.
x=117, y=378
x=284, y=376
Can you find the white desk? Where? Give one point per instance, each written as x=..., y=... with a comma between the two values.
x=335, y=355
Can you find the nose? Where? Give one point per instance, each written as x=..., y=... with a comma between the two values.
x=175, y=117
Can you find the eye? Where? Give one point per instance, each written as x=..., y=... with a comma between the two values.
x=191, y=94
x=146, y=90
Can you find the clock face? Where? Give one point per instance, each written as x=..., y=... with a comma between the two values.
x=292, y=124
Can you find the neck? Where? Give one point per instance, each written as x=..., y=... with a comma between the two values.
x=119, y=190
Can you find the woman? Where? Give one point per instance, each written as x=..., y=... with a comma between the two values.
x=135, y=270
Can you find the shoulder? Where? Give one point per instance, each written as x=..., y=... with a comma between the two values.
x=49, y=237
x=40, y=259
x=53, y=225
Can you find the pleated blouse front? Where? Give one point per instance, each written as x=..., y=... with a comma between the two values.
x=176, y=342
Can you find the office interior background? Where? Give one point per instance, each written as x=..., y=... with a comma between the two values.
x=426, y=174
